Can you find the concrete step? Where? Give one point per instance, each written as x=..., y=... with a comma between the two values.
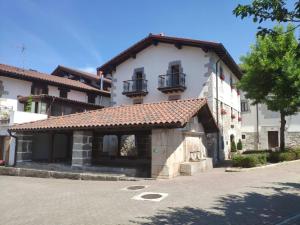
x=25, y=172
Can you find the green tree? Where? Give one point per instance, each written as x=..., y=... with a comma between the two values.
x=272, y=74
x=270, y=10
x=233, y=146
x=239, y=145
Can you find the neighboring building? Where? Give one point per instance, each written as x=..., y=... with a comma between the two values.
x=98, y=81
x=28, y=95
x=173, y=99
x=160, y=68
x=261, y=127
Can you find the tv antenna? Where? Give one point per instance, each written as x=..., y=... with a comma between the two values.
x=22, y=49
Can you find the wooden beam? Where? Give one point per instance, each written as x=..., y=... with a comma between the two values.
x=155, y=42
x=178, y=45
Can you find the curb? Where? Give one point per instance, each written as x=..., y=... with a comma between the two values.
x=24, y=172
x=240, y=169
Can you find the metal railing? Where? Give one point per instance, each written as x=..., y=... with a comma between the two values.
x=171, y=80
x=135, y=86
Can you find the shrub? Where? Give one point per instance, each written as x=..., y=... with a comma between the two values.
x=248, y=161
x=233, y=146
x=239, y=145
x=284, y=156
x=256, y=151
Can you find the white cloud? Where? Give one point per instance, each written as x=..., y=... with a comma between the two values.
x=89, y=69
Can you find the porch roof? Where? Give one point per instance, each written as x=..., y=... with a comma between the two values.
x=167, y=114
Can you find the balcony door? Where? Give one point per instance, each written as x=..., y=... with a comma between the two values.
x=174, y=75
x=139, y=81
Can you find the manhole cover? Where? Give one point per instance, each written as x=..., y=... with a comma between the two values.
x=151, y=196
x=136, y=187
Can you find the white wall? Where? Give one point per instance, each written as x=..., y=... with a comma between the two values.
x=53, y=91
x=198, y=66
x=23, y=117
x=14, y=87
x=78, y=96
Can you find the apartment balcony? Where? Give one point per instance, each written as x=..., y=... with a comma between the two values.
x=171, y=83
x=135, y=88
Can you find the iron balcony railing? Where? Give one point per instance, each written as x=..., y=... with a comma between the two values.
x=174, y=80
x=138, y=86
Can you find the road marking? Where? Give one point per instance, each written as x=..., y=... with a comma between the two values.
x=289, y=220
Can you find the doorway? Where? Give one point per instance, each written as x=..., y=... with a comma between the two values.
x=273, y=141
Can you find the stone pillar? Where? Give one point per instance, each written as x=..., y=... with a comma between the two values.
x=24, y=148
x=82, y=148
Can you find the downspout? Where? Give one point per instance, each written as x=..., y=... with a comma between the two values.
x=16, y=145
x=217, y=109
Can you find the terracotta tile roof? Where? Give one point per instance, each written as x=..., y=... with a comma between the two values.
x=24, y=99
x=151, y=39
x=31, y=75
x=168, y=114
x=84, y=74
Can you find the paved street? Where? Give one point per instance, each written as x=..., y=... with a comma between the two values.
x=265, y=196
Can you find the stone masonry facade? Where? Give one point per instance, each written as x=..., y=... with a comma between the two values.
x=82, y=148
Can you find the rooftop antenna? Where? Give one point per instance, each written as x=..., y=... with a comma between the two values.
x=22, y=53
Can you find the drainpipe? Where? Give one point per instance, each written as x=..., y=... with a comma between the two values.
x=257, y=127
x=217, y=109
x=16, y=145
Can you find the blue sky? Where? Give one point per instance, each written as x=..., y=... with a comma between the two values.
x=84, y=34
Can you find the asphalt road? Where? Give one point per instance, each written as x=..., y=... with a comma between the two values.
x=264, y=196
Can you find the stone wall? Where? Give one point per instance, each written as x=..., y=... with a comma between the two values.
x=172, y=147
x=293, y=139
x=167, y=152
x=24, y=148
x=82, y=148
x=250, y=141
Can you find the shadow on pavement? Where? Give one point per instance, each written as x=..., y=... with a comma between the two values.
x=249, y=208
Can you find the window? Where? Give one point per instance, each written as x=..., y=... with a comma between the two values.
x=175, y=69
x=139, y=80
x=222, y=76
x=231, y=82
x=63, y=93
x=243, y=136
x=38, y=89
x=91, y=98
x=244, y=106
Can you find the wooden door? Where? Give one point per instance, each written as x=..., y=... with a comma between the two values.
x=1, y=147
x=273, y=139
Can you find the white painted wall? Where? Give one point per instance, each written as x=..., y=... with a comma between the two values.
x=198, y=66
x=14, y=88
x=53, y=91
x=78, y=96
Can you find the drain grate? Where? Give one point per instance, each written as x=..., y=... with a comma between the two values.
x=135, y=187
x=150, y=196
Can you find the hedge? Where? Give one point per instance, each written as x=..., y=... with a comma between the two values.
x=250, y=160
x=288, y=155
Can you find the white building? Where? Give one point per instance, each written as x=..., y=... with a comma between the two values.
x=261, y=127
x=27, y=95
x=160, y=68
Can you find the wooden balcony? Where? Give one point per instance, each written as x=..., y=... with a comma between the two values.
x=171, y=83
x=135, y=88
